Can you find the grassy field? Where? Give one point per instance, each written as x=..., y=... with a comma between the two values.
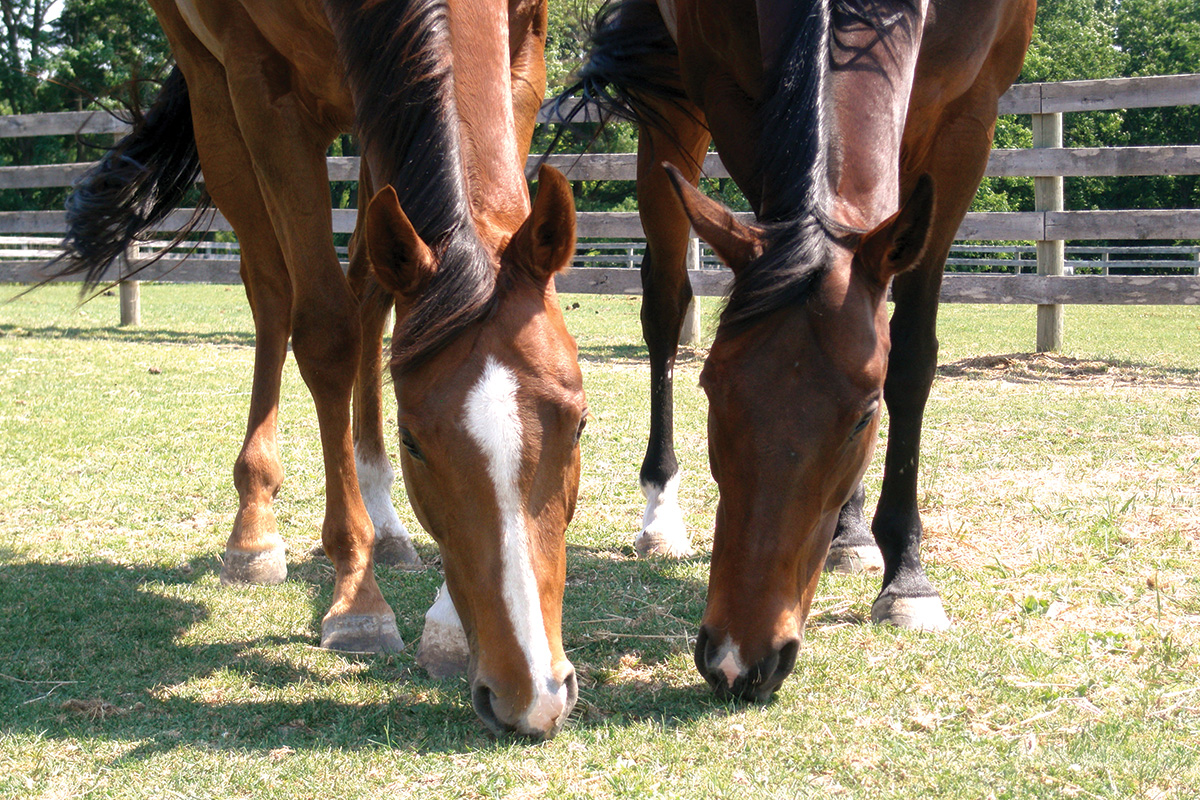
x=1061, y=496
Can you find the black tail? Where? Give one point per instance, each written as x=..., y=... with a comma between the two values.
x=133, y=188
x=632, y=59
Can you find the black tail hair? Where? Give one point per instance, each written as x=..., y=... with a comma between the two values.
x=632, y=57
x=133, y=188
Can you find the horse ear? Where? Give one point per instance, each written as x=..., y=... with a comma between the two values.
x=897, y=243
x=403, y=263
x=734, y=242
x=545, y=242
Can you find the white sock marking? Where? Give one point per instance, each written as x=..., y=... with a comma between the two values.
x=375, y=477
x=662, y=523
x=492, y=418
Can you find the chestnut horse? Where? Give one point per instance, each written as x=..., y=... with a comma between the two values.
x=828, y=114
x=491, y=405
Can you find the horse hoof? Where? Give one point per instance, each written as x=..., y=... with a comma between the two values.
x=663, y=544
x=396, y=551
x=443, y=651
x=854, y=559
x=361, y=633
x=915, y=613
x=246, y=567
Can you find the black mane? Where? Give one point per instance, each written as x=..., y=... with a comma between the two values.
x=794, y=159
x=399, y=67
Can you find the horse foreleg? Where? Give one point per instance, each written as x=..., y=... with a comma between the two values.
x=375, y=473
x=666, y=293
x=956, y=160
x=853, y=548
x=288, y=150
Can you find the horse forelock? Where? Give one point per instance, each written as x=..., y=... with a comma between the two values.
x=399, y=67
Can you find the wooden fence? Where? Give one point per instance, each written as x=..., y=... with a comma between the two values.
x=1050, y=225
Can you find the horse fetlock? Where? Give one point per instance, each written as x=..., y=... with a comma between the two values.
x=246, y=567
x=663, y=530
x=924, y=613
x=361, y=633
x=393, y=546
x=443, y=651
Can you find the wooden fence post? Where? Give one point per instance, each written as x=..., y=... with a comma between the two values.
x=690, y=334
x=1048, y=196
x=131, y=293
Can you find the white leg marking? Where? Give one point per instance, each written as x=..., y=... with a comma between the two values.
x=492, y=418
x=375, y=477
x=443, y=650
x=663, y=532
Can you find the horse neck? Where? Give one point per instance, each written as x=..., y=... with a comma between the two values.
x=870, y=84
x=483, y=91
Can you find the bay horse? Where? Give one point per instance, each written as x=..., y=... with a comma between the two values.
x=839, y=120
x=491, y=405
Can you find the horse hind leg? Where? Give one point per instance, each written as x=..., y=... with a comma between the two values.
x=393, y=545
x=254, y=552
x=666, y=293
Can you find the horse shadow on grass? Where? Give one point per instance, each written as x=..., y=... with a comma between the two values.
x=137, y=652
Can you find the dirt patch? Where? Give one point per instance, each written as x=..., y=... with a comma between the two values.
x=1042, y=367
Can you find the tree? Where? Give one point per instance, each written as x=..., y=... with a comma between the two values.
x=25, y=51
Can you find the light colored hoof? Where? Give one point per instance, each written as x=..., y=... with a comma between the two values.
x=663, y=532
x=247, y=567
x=443, y=651
x=664, y=544
x=854, y=559
x=915, y=613
x=361, y=633
x=396, y=551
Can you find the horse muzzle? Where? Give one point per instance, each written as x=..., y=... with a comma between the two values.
x=541, y=719
x=721, y=665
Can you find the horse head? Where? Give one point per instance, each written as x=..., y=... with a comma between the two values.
x=489, y=426
x=794, y=404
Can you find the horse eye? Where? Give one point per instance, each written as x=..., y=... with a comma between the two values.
x=865, y=421
x=582, y=424
x=410, y=444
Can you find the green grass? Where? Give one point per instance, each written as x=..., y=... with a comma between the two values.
x=1060, y=497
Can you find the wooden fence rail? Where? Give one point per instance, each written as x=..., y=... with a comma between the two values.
x=1049, y=225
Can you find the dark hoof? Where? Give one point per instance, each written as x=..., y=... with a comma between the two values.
x=854, y=559
x=396, y=551
x=243, y=568
x=916, y=613
x=361, y=633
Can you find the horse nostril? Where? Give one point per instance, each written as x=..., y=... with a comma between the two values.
x=703, y=655
x=768, y=675
x=482, y=699
x=572, y=684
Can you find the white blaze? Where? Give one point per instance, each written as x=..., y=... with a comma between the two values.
x=492, y=418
